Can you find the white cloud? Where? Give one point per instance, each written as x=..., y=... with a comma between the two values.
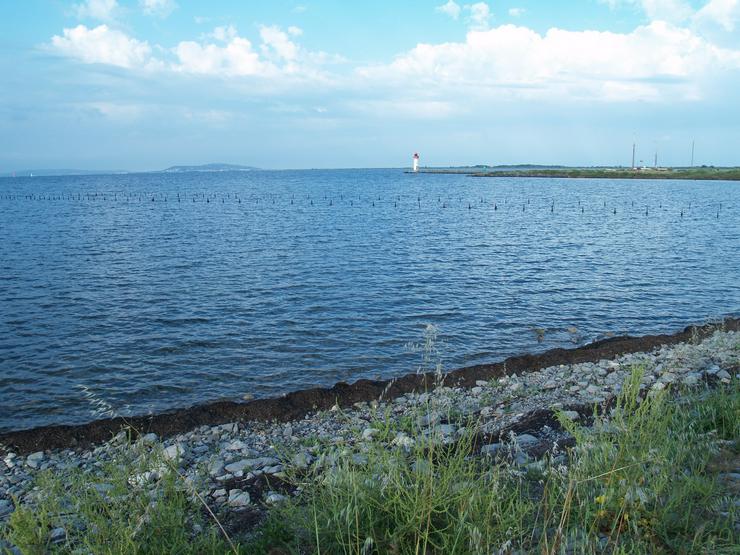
x=161, y=8
x=451, y=8
x=224, y=33
x=103, y=10
x=295, y=31
x=480, y=14
x=236, y=57
x=674, y=11
x=724, y=13
x=651, y=63
x=103, y=45
x=516, y=12
x=274, y=40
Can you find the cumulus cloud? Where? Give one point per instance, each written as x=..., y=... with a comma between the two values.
x=236, y=57
x=451, y=8
x=103, y=10
x=723, y=13
x=222, y=52
x=516, y=12
x=646, y=64
x=277, y=42
x=103, y=45
x=480, y=15
x=161, y=8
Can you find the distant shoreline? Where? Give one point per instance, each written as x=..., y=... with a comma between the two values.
x=696, y=174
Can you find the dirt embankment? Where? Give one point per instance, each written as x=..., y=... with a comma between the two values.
x=297, y=404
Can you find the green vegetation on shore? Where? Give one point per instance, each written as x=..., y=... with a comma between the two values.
x=701, y=173
x=642, y=478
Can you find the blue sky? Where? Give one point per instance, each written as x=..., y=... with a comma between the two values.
x=144, y=84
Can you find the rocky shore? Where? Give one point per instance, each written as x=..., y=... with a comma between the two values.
x=240, y=468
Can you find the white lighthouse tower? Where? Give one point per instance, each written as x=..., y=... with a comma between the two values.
x=415, y=165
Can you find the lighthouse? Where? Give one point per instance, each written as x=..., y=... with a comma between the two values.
x=415, y=165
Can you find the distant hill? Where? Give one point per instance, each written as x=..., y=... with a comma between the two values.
x=210, y=168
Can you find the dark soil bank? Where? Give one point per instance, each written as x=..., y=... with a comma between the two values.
x=297, y=404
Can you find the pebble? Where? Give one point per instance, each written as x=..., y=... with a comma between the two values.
x=173, y=452
x=274, y=498
x=724, y=375
x=526, y=440
x=491, y=449
x=150, y=438
x=238, y=498
x=57, y=535
x=246, y=450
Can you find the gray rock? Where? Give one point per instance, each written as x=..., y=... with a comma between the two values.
x=243, y=464
x=149, y=438
x=6, y=507
x=238, y=498
x=236, y=445
x=491, y=449
x=174, y=452
x=526, y=440
x=724, y=375
x=302, y=459
x=402, y=440
x=216, y=468
x=446, y=429
x=34, y=459
x=231, y=428
x=274, y=498
x=368, y=433
x=571, y=414
x=429, y=419
x=57, y=535
x=712, y=370
x=691, y=379
x=550, y=384
x=481, y=383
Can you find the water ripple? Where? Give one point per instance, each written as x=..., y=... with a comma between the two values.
x=320, y=276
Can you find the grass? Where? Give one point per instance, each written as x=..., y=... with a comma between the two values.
x=135, y=504
x=636, y=482
x=641, y=479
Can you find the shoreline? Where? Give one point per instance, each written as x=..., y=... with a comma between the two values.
x=522, y=423
x=700, y=174
x=298, y=404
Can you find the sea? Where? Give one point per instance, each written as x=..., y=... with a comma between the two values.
x=138, y=293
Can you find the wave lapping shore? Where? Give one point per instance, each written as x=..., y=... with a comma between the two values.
x=241, y=468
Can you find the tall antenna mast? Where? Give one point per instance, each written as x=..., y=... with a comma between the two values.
x=692, y=153
x=633, y=156
x=656, y=158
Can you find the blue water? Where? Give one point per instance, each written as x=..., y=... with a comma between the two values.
x=265, y=282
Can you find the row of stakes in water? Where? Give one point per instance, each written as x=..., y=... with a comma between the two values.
x=202, y=197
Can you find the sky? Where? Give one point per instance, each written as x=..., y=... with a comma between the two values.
x=146, y=84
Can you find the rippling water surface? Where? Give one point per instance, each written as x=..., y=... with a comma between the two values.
x=156, y=291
